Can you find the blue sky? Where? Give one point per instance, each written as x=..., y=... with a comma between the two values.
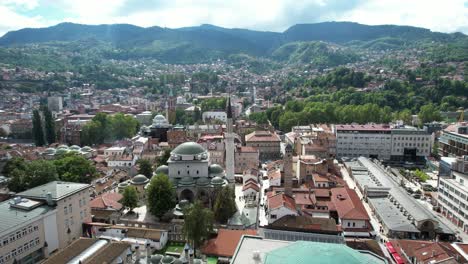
x=272, y=15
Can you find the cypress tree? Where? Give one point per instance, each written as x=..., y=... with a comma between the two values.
x=38, y=133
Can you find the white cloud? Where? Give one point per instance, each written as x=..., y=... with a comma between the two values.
x=274, y=15
x=443, y=16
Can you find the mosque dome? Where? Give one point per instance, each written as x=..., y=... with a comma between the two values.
x=75, y=147
x=162, y=169
x=186, y=181
x=188, y=148
x=203, y=181
x=215, y=169
x=217, y=181
x=140, y=179
x=49, y=151
x=160, y=121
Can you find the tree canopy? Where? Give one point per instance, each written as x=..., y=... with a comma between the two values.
x=225, y=204
x=130, y=198
x=198, y=223
x=108, y=127
x=145, y=168
x=161, y=195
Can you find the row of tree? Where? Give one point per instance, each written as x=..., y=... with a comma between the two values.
x=104, y=127
x=43, y=126
x=70, y=167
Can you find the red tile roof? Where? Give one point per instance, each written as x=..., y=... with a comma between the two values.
x=251, y=185
x=274, y=174
x=262, y=136
x=280, y=200
x=348, y=205
x=424, y=251
x=107, y=200
x=224, y=245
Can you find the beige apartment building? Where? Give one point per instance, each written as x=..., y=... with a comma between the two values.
x=267, y=143
x=42, y=220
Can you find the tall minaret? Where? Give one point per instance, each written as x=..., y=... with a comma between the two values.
x=287, y=170
x=229, y=143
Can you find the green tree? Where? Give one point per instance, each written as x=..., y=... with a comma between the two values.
x=12, y=164
x=162, y=160
x=49, y=124
x=198, y=223
x=123, y=126
x=32, y=174
x=225, y=204
x=429, y=113
x=73, y=167
x=161, y=196
x=435, y=149
x=130, y=198
x=145, y=168
x=38, y=133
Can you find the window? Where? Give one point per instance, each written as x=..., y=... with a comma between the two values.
x=66, y=222
x=26, y=246
x=354, y=224
x=30, y=229
x=65, y=210
x=5, y=241
x=31, y=244
x=349, y=224
x=80, y=202
x=20, y=249
x=81, y=215
x=36, y=241
x=71, y=220
x=36, y=228
x=12, y=238
x=70, y=208
x=13, y=253
x=18, y=235
x=25, y=232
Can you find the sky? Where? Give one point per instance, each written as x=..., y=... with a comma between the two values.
x=268, y=15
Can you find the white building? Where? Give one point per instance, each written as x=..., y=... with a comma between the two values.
x=214, y=115
x=453, y=194
x=396, y=144
x=280, y=205
x=55, y=103
x=112, y=151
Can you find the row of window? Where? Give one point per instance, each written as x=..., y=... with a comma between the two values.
x=18, y=234
x=415, y=138
x=20, y=250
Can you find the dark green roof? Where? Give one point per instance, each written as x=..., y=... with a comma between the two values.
x=140, y=179
x=186, y=181
x=203, y=181
x=188, y=148
x=57, y=189
x=162, y=169
x=215, y=169
x=217, y=181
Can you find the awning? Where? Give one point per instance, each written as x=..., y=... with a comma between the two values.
x=390, y=247
x=397, y=258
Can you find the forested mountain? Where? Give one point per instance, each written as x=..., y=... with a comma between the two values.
x=298, y=44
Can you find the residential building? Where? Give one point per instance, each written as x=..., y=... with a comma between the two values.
x=71, y=201
x=280, y=205
x=352, y=216
x=210, y=116
x=267, y=143
x=225, y=243
x=55, y=103
x=453, y=141
x=453, y=193
x=426, y=252
x=410, y=144
x=42, y=220
x=106, y=207
x=246, y=158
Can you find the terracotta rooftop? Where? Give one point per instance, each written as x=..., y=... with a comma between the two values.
x=274, y=174
x=224, y=245
x=426, y=251
x=107, y=201
x=259, y=136
x=348, y=205
x=279, y=200
x=245, y=149
x=251, y=185
x=307, y=223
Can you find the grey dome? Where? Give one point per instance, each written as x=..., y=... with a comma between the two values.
x=162, y=169
x=186, y=181
x=215, y=169
x=189, y=148
x=140, y=179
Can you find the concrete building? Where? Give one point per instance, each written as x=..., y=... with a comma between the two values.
x=246, y=158
x=453, y=193
x=453, y=141
x=55, y=103
x=400, y=215
x=393, y=144
x=372, y=141
x=210, y=116
x=42, y=220
x=267, y=143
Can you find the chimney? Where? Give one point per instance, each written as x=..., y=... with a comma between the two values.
x=49, y=199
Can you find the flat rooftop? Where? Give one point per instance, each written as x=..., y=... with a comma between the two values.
x=58, y=190
x=11, y=217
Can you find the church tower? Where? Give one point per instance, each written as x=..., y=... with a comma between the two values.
x=229, y=143
x=287, y=170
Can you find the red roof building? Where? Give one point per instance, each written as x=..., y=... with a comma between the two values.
x=224, y=245
x=350, y=210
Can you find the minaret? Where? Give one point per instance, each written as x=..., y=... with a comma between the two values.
x=229, y=143
x=287, y=170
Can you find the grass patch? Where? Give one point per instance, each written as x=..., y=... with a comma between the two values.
x=174, y=247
